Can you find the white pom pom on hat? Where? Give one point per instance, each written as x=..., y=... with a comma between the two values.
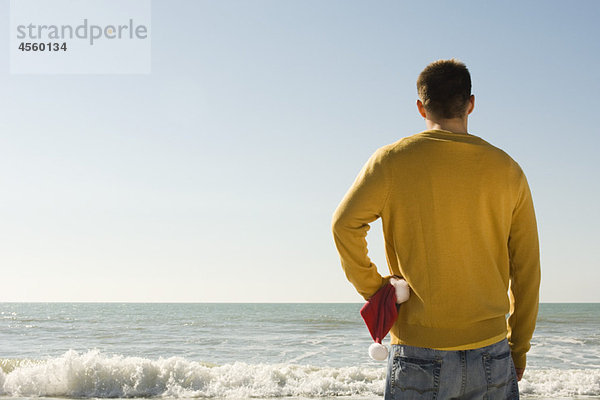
x=380, y=313
x=378, y=352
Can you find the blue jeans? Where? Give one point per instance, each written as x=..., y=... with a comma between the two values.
x=420, y=373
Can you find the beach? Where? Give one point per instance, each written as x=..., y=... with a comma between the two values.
x=295, y=351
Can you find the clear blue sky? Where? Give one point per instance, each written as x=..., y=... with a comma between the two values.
x=214, y=178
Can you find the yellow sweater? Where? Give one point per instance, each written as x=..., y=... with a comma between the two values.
x=459, y=226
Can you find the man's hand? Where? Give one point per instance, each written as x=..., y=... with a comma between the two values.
x=520, y=372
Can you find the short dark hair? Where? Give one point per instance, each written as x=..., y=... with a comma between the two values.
x=444, y=88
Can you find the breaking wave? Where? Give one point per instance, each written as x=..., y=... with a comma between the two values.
x=93, y=374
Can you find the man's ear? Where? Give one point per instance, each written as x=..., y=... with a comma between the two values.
x=421, y=109
x=471, y=104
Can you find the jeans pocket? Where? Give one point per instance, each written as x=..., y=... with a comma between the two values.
x=501, y=376
x=415, y=378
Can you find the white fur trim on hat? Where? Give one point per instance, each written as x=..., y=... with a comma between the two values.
x=402, y=289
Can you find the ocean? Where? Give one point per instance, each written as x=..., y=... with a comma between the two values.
x=206, y=350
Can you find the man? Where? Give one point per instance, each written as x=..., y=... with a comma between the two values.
x=460, y=228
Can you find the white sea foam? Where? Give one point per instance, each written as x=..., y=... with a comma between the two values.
x=93, y=374
x=561, y=383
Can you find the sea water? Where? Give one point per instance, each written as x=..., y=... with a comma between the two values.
x=120, y=350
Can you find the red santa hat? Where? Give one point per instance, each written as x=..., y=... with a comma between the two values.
x=380, y=313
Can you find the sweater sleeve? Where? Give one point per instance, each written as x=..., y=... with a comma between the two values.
x=360, y=206
x=523, y=248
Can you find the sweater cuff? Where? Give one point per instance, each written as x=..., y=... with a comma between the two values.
x=384, y=281
x=520, y=360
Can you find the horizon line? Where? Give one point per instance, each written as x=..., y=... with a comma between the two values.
x=237, y=302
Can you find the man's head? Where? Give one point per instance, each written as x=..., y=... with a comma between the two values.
x=444, y=89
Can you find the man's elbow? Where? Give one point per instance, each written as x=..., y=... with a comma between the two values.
x=338, y=222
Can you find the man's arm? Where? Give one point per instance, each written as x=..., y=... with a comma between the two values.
x=361, y=206
x=524, y=287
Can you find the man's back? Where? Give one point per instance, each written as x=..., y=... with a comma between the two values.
x=447, y=202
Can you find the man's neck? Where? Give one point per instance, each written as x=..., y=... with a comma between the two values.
x=455, y=125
